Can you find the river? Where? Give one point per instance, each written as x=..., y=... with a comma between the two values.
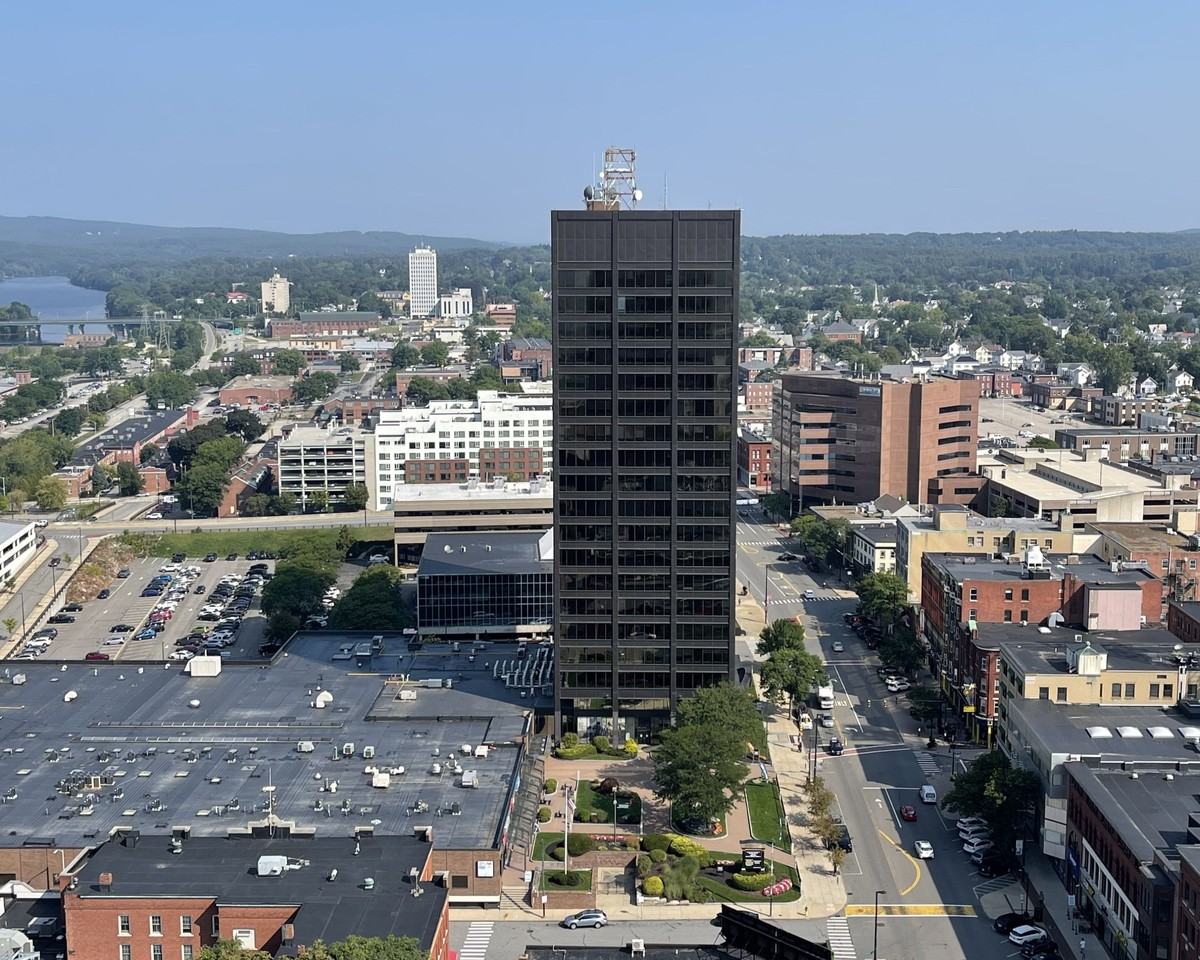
x=54, y=298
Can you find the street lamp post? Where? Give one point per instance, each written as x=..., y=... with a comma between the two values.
x=875, y=945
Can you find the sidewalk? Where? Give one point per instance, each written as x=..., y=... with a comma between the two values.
x=1046, y=888
x=10, y=643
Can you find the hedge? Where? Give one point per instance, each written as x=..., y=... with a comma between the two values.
x=656, y=841
x=683, y=847
x=543, y=815
x=550, y=785
x=658, y=856
x=580, y=843
x=751, y=882
x=653, y=886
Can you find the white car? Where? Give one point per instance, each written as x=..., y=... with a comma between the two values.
x=898, y=686
x=924, y=849
x=977, y=845
x=838, y=647
x=180, y=655
x=967, y=823
x=154, y=516
x=1026, y=934
x=115, y=641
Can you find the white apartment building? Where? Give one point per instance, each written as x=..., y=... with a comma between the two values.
x=456, y=441
x=326, y=460
x=456, y=304
x=18, y=544
x=276, y=294
x=422, y=281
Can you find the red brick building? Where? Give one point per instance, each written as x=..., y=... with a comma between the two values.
x=993, y=382
x=1183, y=620
x=529, y=350
x=154, y=479
x=137, y=897
x=754, y=461
x=759, y=395
x=349, y=324
x=250, y=391
x=960, y=593
x=513, y=463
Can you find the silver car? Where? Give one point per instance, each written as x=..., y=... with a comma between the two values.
x=585, y=918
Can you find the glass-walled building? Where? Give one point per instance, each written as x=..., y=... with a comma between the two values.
x=496, y=585
x=645, y=420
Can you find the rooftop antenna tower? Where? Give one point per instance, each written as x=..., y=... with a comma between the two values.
x=616, y=184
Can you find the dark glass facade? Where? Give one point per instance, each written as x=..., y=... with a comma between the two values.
x=484, y=603
x=645, y=423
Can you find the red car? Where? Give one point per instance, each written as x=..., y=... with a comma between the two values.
x=96, y=655
x=908, y=812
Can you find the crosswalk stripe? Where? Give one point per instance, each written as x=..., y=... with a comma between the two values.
x=837, y=932
x=479, y=936
x=991, y=886
x=927, y=763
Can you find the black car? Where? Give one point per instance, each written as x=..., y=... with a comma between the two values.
x=232, y=556
x=1007, y=921
x=178, y=557
x=843, y=838
x=46, y=632
x=123, y=573
x=209, y=558
x=200, y=588
x=788, y=557
x=73, y=608
x=61, y=618
x=120, y=628
x=252, y=555
x=836, y=749
x=1041, y=948
x=104, y=594
x=55, y=561
x=992, y=868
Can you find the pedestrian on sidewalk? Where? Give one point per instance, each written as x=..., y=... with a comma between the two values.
x=1082, y=949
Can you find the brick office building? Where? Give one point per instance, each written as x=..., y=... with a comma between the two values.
x=251, y=390
x=754, y=461
x=837, y=438
x=155, y=897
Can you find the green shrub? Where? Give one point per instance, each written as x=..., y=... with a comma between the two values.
x=570, y=740
x=576, y=751
x=557, y=852
x=653, y=886
x=544, y=814
x=580, y=843
x=697, y=894
x=658, y=856
x=751, y=882
x=689, y=864
x=601, y=743
x=656, y=841
x=567, y=878
x=550, y=785
x=644, y=865
x=683, y=846
x=631, y=748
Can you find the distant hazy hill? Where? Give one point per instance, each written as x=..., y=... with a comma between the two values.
x=100, y=239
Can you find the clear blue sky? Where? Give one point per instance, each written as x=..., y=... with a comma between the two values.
x=475, y=118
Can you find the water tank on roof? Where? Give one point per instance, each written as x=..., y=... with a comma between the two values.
x=1087, y=661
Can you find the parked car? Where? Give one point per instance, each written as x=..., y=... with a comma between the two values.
x=965, y=823
x=61, y=618
x=898, y=686
x=113, y=641
x=104, y=594
x=123, y=573
x=974, y=833
x=73, y=608
x=55, y=561
x=978, y=845
x=788, y=557
x=1026, y=934
x=146, y=634
x=48, y=632
x=120, y=628
x=96, y=655
x=232, y=556
x=209, y=558
x=923, y=849
x=199, y=589
x=1039, y=949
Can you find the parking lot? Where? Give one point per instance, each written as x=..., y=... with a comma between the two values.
x=92, y=630
x=1008, y=417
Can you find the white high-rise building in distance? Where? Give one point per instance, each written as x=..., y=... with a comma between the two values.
x=276, y=295
x=422, y=281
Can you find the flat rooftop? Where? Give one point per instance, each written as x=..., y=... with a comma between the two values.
x=126, y=433
x=1035, y=651
x=1118, y=431
x=129, y=749
x=1088, y=569
x=331, y=910
x=1149, y=814
x=499, y=552
x=879, y=534
x=1143, y=536
x=1094, y=732
x=412, y=495
x=250, y=380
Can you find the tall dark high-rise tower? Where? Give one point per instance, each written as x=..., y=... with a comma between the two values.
x=645, y=421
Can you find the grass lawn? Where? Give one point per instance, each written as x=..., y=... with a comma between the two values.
x=723, y=891
x=590, y=801
x=544, y=841
x=579, y=880
x=224, y=542
x=766, y=814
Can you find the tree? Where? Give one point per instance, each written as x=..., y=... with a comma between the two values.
x=169, y=389
x=348, y=363
x=10, y=624
x=281, y=625
x=317, y=502
x=405, y=355
x=51, y=493
x=70, y=421
x=297, y=589
x=435, y=353
x=924, y=704
x=356, y=497
x=822, y=540
x=791, y=671
x=287, y=363
x=1043, y=443
x=244, y=423
x=780, y=635
x=421, y=390
x=256, y=505
x=148, y=453
x=316, y=387
x=368, y=948
x=882, y=597
x=231, y=950
x=837, y=856
x=723, y=705
x=244, y=365
x=778, y=505
x=1003, y=795
x=1000, y=506
x=1054, y=306
x=698, y=769
x=129, y=480
x=373, y=602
